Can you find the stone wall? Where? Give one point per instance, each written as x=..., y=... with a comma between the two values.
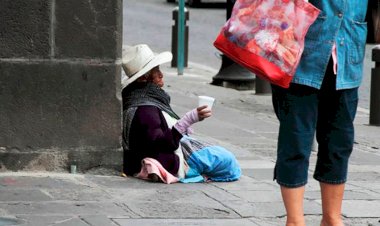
x=60, y=84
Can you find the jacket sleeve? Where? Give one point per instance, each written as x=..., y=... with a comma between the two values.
x=154, y=131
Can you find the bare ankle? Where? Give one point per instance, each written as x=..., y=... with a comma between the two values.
x=295, y=222
x=332, y=221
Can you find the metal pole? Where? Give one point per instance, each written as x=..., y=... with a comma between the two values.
x=374, y=113
x=181, y=36
x=262, y=86
x=175, y=37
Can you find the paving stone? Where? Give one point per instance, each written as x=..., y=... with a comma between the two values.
x=181, y=204
x=259, y=174
x=376, y=193
x=10, y=221
x=364, y=176
x=311, y=220
x=268, y=209
x=37, y=220
x=25, y=195
x=359, y=157
x=89, y=194
x=245, y=209
x=280, y=221
x=181, y=210
x=348, y=195
x=259, y=196
x=363, y=168
x=275, y=221
x=99, y=220
x=362, y=221
x=71, y=222
x=372, y=185
x=116, y=182
x=64, y=208
x=374, y=222
x=361, y=208
x=257, y=164
x=3, y=212
x=246, y=183
x=221, y=195
x=148, y=190
x=180, y=222
x=14, y=182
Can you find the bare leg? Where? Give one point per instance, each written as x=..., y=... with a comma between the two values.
x=293, y=201
x=332, y=196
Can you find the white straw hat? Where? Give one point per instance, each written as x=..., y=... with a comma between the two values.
x=138, y=60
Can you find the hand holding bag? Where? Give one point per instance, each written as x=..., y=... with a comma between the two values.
x=267, y=36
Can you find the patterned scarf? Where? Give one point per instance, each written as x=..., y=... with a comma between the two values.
x=139, y=93
x=142, y=94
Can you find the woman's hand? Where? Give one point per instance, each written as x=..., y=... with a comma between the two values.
x=191, y=117
x=203, y=112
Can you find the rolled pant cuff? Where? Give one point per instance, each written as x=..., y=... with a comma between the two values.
x=297, y=185
x=322, y=180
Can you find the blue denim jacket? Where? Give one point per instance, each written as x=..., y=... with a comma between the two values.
x=342, y=22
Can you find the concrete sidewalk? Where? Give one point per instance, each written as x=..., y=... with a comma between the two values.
x=242, y=122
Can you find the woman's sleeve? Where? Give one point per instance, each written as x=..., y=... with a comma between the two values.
x=152, y=126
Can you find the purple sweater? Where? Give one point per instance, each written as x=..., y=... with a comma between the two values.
x=151, y=137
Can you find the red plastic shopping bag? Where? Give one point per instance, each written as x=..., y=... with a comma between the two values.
x=267, y=36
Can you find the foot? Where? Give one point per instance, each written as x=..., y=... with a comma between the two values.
x=332, y=223
x=295, y=222
x=154, y=177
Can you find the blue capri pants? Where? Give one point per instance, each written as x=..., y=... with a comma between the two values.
x=302, y=111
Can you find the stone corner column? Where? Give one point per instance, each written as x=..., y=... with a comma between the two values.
x=60, y=84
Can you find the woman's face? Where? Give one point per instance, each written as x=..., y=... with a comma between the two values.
x=156, y=76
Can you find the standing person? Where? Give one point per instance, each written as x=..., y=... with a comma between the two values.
x=322, y=99
x=151, y=129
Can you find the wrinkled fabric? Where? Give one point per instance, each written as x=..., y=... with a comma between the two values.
x=341, y=22
x=182, y=165
x=335, y=59
x=184, y=123
x=148, y=135
x=213, y=163
x=205, y=163
x=152, y=166
x=267, y=37
x=208, y=162
x=139, y=94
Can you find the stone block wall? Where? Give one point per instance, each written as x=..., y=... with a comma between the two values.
x=60, y=84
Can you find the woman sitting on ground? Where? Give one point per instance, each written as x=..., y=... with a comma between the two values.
x=153, y=131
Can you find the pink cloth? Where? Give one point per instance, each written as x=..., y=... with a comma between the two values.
x=150, y=165
x=334, y=57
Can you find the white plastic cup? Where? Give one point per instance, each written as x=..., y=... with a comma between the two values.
x=206, y=100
